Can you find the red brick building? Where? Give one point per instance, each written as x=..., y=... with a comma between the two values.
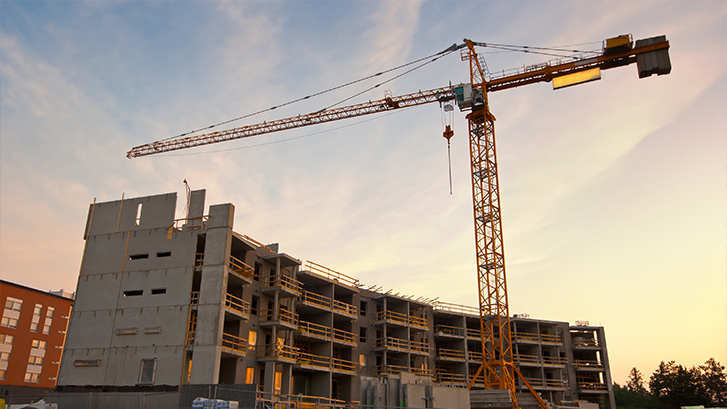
x=32, y=333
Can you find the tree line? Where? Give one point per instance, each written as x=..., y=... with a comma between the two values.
x=672, y=386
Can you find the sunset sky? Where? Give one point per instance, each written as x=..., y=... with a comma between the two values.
x=613, y=192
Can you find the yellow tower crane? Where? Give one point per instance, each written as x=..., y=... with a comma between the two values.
x=497, y=370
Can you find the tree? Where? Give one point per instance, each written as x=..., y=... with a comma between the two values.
x=675, y=385
x=634, y=394
x=636, y=382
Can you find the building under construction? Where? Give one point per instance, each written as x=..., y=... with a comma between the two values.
x=163, y=303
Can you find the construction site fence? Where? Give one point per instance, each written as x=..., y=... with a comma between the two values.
x=247, y=399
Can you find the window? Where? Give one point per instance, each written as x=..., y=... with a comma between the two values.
x=38, y=344
x=362, y=334
x=138, y=256
x=48, y=320
x=362, y=308
x=250, y=375
x=158, y=291
x=133, y=293
x=362, y=360
x=258, y=271
x=36, y=318
x=4, y=357
x=138, y=214
x=252, y=339
x=6, y=339
x=32, y=377
x=2, y=374
x=87, y=362
x=148, y=369
x=278, y=381
x=164, y=254
x=11, y=312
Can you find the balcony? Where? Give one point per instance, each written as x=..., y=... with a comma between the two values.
x=451, y=378
x=277, y=353
x=585, y=365
x=314, y=300
x=234, y=345
x=456, y=355
x=474, y=356
x=241, y=271
x=448, y=331
x=237, y=306
x=586, y=343
x=284, y=318
x=395, y=369
x=325, y=333
x=533, y=360
x=540, y=384
x=288, y=287
x=592, y=387
x=324, y=363
x=473, y=333
x=397, y=318
x=534, y=338
x=401, y=345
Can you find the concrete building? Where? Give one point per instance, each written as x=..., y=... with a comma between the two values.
x=32, y=335
x=162, y=303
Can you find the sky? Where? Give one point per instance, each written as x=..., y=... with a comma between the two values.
x=613, y=192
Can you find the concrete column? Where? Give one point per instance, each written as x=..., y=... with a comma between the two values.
x=213, y=287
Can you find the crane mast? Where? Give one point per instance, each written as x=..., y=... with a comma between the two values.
x=497, y=369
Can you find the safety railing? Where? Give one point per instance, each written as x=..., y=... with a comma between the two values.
x=190, y=223
x=586, y=364
x=450, y=354
x=239, y=267
x=585, y=343
x=448, y=330
x=396, y=369
x=194, y=298
x=552, y=339
x=592, y=386
x=419, y=347
x=343, y=365
x=283, y=316
x=277, y=351
x=344, y=308
x=332, y=275
x=455, y=378
x=198, y=260
x=344, y=336
x=455, y=308
x=523, y=359
x=234, y=343
x=324, y=362
x=315, y=299
x=473, y=333
x=237, y=304
x=540, y=383
x=284, y=282
x=312, y=328
x=255, y=242
x=391, y=343
x=474, y=356
x=524, y=337
x=393, y=317
x=418, y=322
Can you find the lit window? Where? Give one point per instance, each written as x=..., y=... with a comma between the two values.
x=252, y=339
x=38, y=344
x=250, y=375
x=35, y=361
x=4, y=356
x=148, y=369
x=32, y=377
x=138, y=214
x=11, y=312
x=278, y=381
x=6, y=339
x=36, y=318
x=2, y=374
x=48, y=320
x=362, y=360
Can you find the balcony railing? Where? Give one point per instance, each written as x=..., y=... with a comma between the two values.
x=455, y=308
x=440, y=329
x=285, y=283
x=539, y=383
x=332, y=275
x=277, y=351
x=585, y=364
x=234, y=343
x=585, y=343
x=237, y=304
x=324, y=362
x=450, y=354
x=473, y=333
x=284, y=316
x=539, y=360
x=344, y=336
x=444, y=377
x=395, y=369
x=312, y=328
x=239, y=267
x=474, y=356
x=344, y=308
x=402, y=319
x=592, y=387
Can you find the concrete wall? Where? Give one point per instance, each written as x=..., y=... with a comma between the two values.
x=133, y=294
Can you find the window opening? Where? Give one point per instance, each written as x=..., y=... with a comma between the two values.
x=362, y=334
x=158, y=291
x=250, y=375
x=133, y=293
x=278, y=381
x=362, y=309
x=48, y=320
x=36, y=318
x=252, y=339
x=148, y=370
x=254, y=305
x=138, y=214
x=138, y=256
x=11, y=313
x=164, y=254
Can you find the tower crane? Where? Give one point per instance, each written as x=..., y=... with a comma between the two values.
x=497, y=369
